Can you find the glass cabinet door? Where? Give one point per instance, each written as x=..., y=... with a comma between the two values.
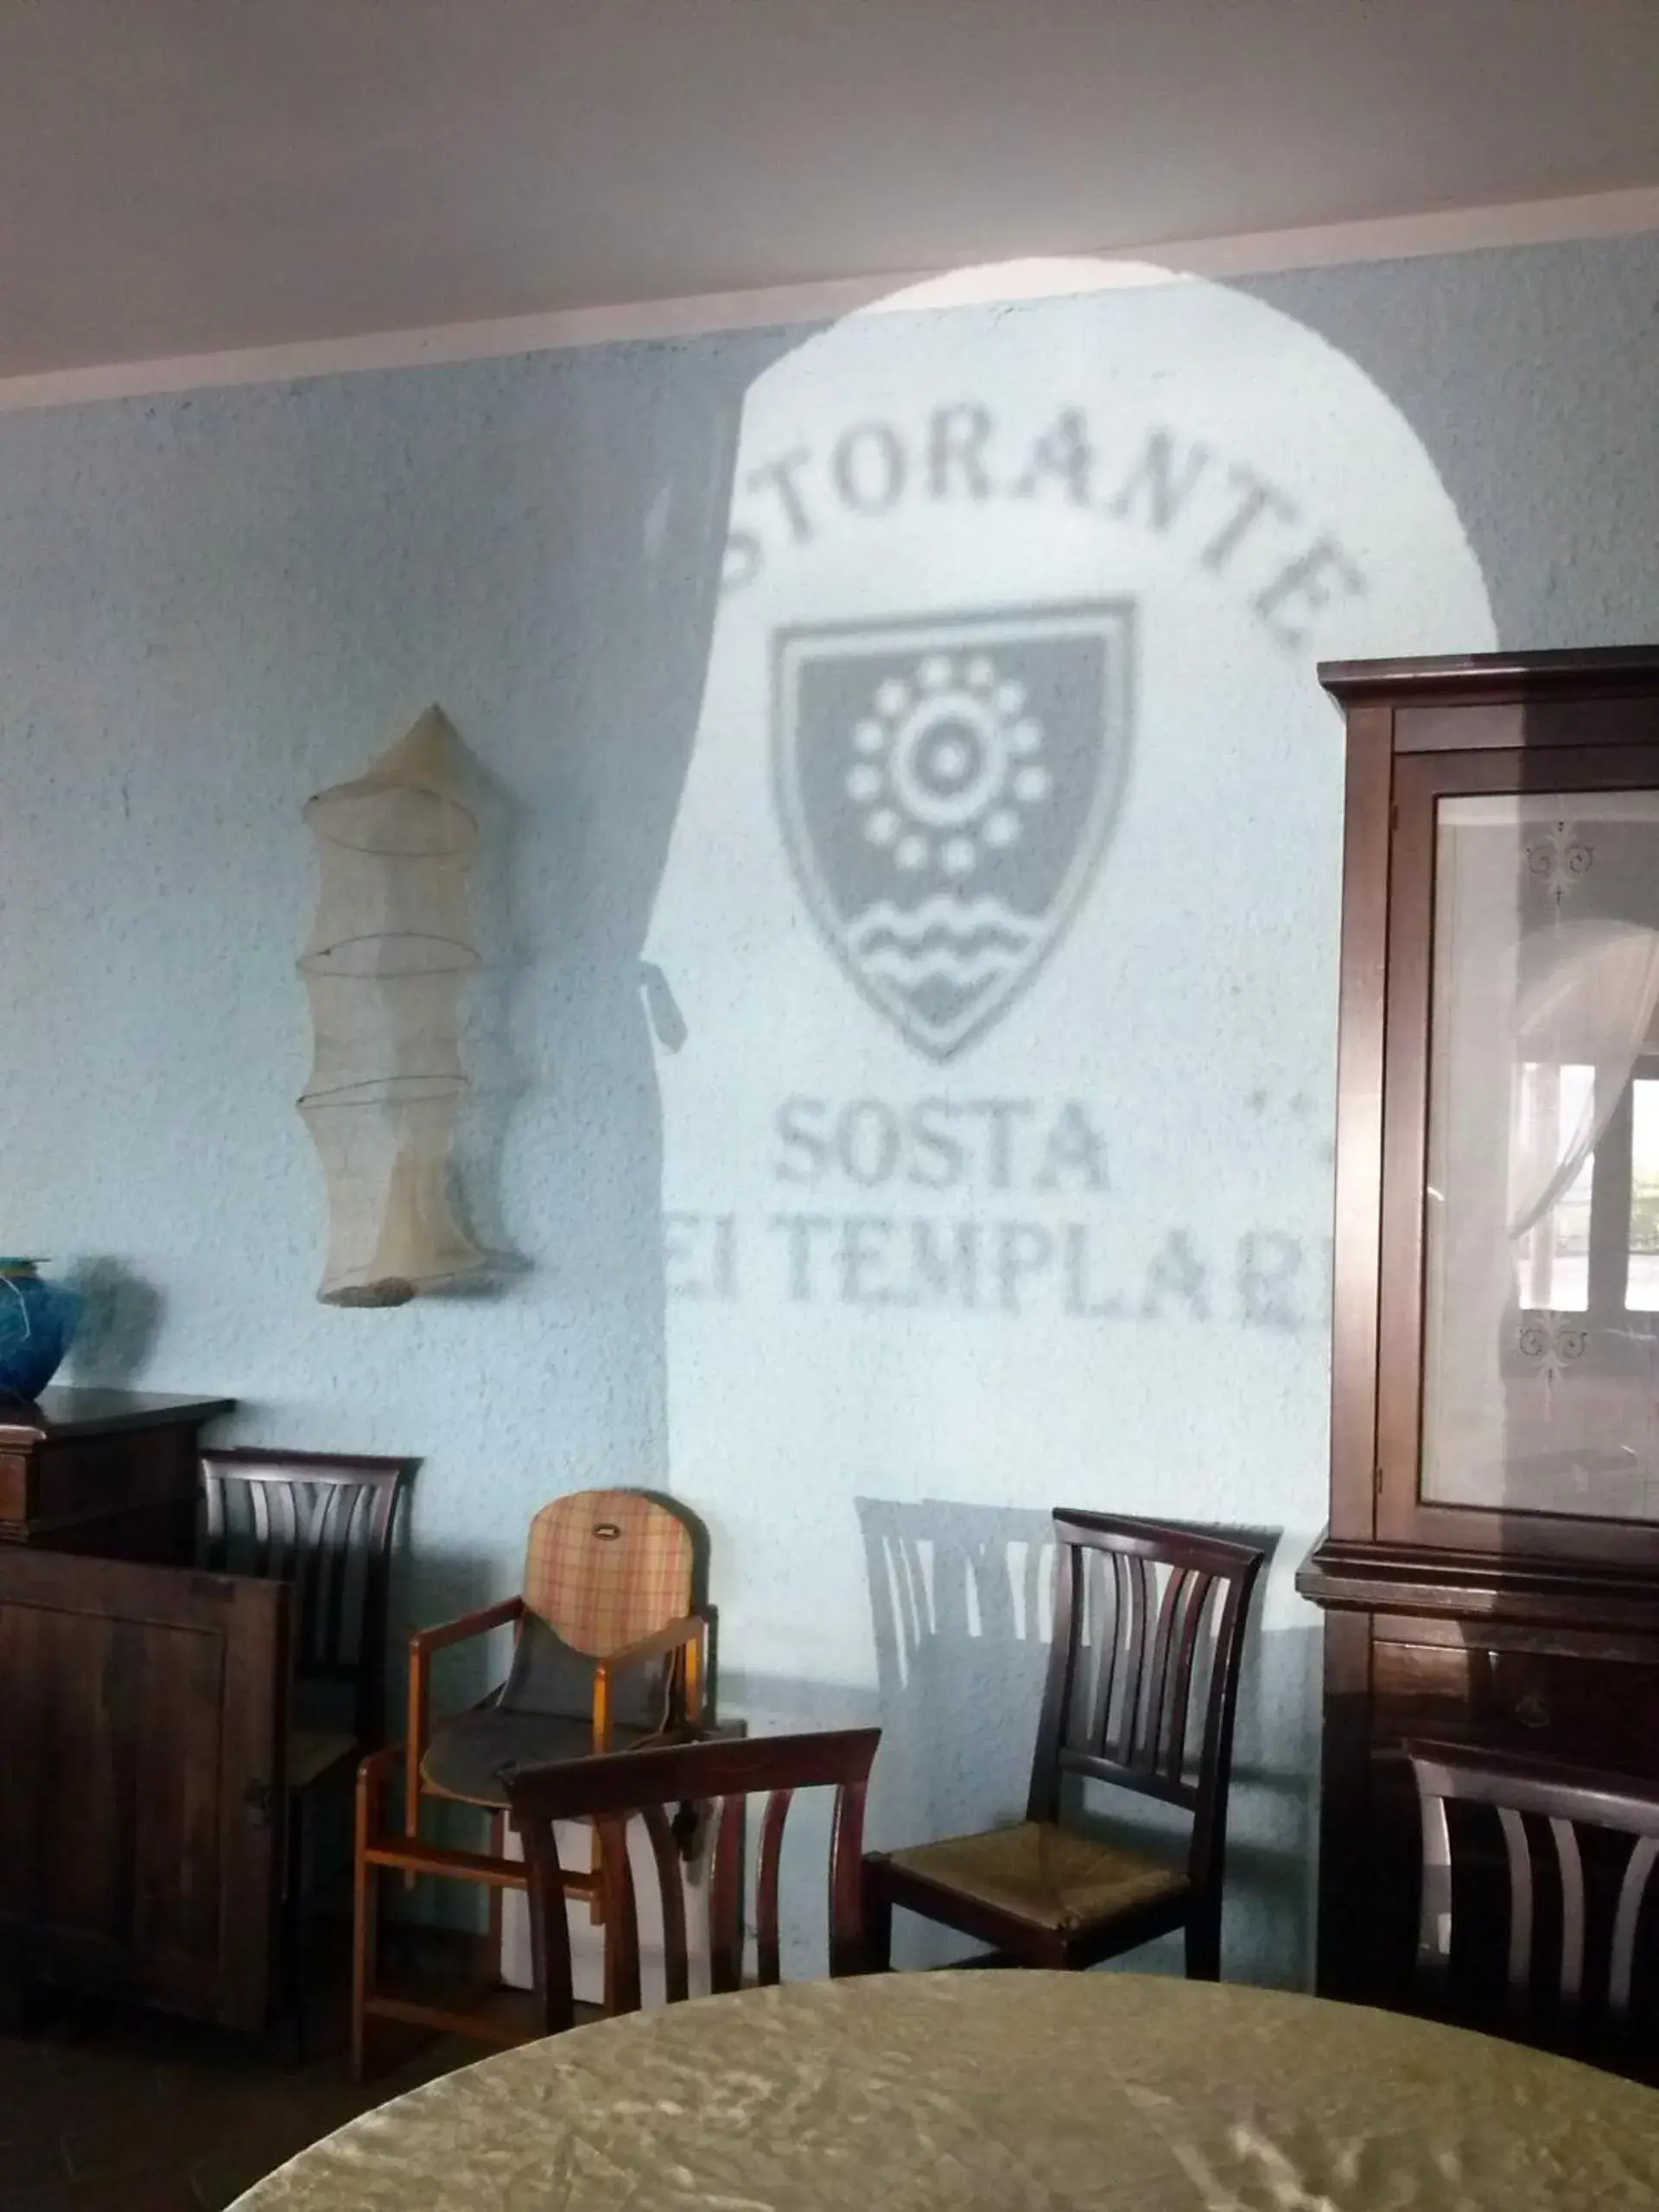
x=1534, y=1241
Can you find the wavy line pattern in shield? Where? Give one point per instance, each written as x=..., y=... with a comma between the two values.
x=944, y=955
x=965, y=942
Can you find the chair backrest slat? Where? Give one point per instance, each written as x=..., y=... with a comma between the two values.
x=1521, y=1903
x=1572, y=1872
x=1570, y=1800
x=1434, y=1908
x=1159, y=1704
x=609, y=1790
x=621, y=1915
x=302, y=1507
x=1159, y=1663
x=212, y=1519
x=1631, y=1893
x=258, y=1497
x=1197, y=1607
x=1141, y=1720
x=673, y=1896
x=726, y=1900
x=1105, y=1627
x=336, y=1514
x=766, y=1888
x=324, y=1523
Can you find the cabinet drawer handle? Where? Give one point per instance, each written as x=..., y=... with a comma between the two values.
x=1531, y=1712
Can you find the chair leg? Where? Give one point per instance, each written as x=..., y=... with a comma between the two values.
x=295, y=1928
x=365, y=1928
x=1202, y=1934
x=878, y=1925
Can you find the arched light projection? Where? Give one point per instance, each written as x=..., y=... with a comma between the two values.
x=1001, y=908
x=389, y=951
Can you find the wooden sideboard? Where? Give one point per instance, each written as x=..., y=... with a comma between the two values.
x=1490, y=1570
x=143, y=1717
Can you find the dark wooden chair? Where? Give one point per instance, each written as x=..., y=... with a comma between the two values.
x=608, y=1791
x=1553, y=1994
x=324, y=1523
x=1143, y=1687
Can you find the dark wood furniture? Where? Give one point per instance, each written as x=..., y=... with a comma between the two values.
x=144, y=1731
x=609, y=1791
x=109, y=1471
x=1576, y=1987
x=1142, y=1688
x=324, y=1524
x=1490, y=1576
x=192, y=1653
x=610, y=1649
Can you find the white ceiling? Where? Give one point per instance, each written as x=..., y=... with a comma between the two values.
x=187, y=176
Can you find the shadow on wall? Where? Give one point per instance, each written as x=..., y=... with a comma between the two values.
x=961, y=1606
x=121, y=1315
x=591, y=817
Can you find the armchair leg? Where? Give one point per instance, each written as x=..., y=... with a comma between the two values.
x=493, y=1909
x=365, y=1903
x=878, y=1925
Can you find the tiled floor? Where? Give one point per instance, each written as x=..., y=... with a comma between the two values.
x=103, y=2108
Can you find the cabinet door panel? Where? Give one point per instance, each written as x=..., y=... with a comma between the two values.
x=142, y=1719
x=1518, y=1384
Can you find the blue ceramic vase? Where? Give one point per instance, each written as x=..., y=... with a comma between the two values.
x=37, y=1324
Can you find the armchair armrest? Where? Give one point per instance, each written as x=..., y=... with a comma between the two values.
x=464, y=1625
x=422, y=1645
x=686, y=1634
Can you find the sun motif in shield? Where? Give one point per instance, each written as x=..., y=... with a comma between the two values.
x=946, y=788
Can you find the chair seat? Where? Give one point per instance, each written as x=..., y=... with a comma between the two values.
x=312, y=1751
x=470, y=1753
x=1050, y=1877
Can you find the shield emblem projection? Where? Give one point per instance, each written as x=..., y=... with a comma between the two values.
x=946, y=788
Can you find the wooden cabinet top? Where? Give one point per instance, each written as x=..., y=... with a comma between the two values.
x=1588, y=672
x=66, y=1415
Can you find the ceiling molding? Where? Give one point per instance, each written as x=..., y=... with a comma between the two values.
x=1611, y=214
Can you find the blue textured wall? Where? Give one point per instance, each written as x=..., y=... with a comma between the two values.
x=211, y=606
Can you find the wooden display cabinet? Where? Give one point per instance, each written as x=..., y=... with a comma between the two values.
x=1490, y=1570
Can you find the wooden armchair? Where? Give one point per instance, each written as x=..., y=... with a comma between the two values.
x=609, y=1653
x=1142, y=1686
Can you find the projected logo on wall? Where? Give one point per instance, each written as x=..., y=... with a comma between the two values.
x=946, y=788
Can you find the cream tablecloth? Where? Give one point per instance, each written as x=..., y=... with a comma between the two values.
x=998, y=2092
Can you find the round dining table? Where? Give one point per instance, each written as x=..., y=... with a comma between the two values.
x=998, y=2092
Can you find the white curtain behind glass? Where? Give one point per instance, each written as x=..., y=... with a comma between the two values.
x=1542, y=1009
x=1588, y=993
